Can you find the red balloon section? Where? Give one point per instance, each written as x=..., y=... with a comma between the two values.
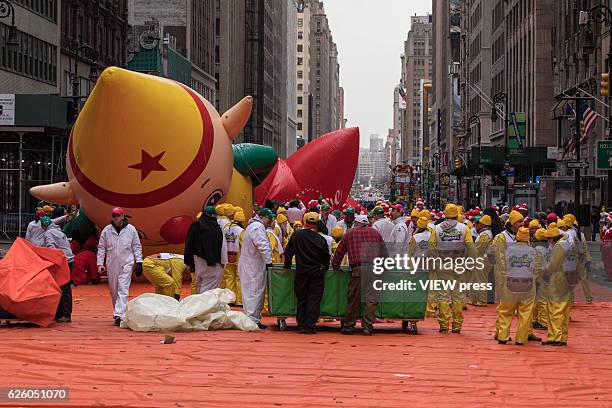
x=324, y=167
x=175, y=229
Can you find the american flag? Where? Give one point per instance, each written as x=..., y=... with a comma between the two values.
x=587, y=123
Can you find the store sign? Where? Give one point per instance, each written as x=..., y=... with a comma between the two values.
x=7, y=109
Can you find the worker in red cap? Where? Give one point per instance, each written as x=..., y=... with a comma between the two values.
x=550, y=218
x=85, y=268
x=119, y=249
x=399, y=234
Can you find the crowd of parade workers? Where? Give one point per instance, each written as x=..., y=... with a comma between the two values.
x=536, y=263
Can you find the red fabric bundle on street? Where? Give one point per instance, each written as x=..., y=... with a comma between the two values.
x=30, y=278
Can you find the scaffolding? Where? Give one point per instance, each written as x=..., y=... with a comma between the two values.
x=29, y=156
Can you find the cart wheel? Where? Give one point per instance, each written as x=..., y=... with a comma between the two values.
x=413, y=328
x=404, y=325
x=282, y=324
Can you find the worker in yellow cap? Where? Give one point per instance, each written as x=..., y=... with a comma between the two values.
x=499, y=246
x=450, y=240
x=283, y=229
x=534, y=225
x=337, y=233
x=517, y=288
x=584, y=255
x=562, y=276
x=297, y=225
x=418, y=246
x=233, y=232
x=412, y=225
x=276, y=243
x=482, y=247
x=222, y=218
x=165, y=272
x=540, y=312
x=230, y=210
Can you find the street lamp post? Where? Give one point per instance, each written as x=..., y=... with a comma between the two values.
x=86, y=52
x=7, y=10
x=498, y=98
x=603, y=14
x=438, y=159
x=475, y=120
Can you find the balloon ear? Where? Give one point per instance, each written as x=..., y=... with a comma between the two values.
x=236, y=118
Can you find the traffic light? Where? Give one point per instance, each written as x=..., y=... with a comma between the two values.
x=604, y=87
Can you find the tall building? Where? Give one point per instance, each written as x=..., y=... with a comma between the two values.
x=417, y=67
x=289, y=137
x=304, y=96
x=578, y=72
x=446, y=109
x=33, y=118
x=192, y=23
x=399, y=111
x=341, y=121
x=320, y=38
x=264, y=59
x=476, y=66
x=230, y=32
x=376, y=143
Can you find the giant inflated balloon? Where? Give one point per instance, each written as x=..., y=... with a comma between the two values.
x=152, y=146
x=324, y=168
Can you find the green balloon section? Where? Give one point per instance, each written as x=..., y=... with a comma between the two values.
x=254, y=161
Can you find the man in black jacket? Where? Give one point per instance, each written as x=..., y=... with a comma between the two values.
x=311, y=260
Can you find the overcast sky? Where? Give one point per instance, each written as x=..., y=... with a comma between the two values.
x=370, y=37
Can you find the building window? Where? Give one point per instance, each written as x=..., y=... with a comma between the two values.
x=35, y=58
x=299, y=113
x=300, y=22
x=300, y=35
x=300, y=48
x=299, y=100
x=300, y=87
x=299, y=126
x=300, y=74
x=300, y=61
x=44, y=8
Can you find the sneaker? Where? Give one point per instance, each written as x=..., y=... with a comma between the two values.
x=518, y=344
x=348, y=331
x=117, y=321
x=502, y=341
x=367, y=331
x=443, y=330
x=64, y=319
x=261, y=326
x=552, y=343
x=310, y=330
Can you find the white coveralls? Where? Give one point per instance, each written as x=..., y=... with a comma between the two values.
x=384, y=227
x=399, y=236
x=209, y=277
x=330, y=223
x=121, y=250
x=255, y=254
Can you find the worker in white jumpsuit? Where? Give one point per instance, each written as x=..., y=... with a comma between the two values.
x=255, y=258
x=119, y=249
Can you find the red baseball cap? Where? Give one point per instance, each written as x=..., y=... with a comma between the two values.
x=40, y=213
x=552, y=216
x=118, y=210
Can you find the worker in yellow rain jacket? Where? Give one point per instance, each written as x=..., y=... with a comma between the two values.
x=584, y=255
x=450, y=240
x=276, y=243
x=165, y=272
x=499, y=246
x=562, y=275
x=540, y=311
x=282, y=229
x=418, y=246
x=481, y=249
x=517, y=287
x=233, y=232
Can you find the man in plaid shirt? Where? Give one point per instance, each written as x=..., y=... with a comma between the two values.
x=362, y=243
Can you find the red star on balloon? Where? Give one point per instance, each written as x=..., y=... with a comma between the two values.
x=148, y=164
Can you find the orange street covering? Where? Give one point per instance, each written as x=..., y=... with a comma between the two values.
x=30, y=278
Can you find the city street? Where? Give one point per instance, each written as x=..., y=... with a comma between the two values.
x=104, y=365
